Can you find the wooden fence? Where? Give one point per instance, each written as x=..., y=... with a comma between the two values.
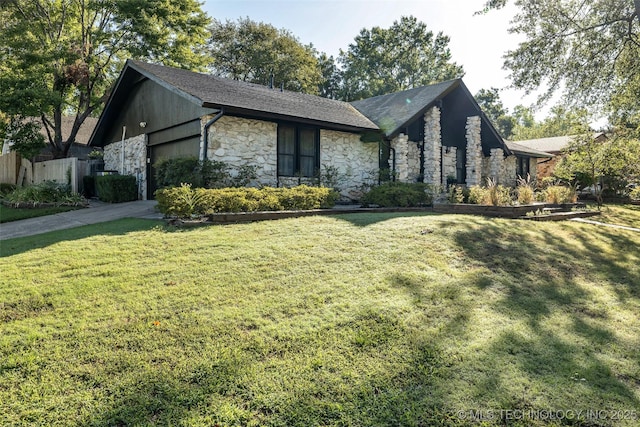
x=18, y=171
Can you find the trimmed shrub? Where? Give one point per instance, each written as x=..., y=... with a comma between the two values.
x=399, y=194
x=189, y=170
x=187, y=202
x=117, y=188
x=89, y=186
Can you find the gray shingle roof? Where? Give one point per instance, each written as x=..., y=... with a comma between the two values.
x=216, y=92
x=553, y=144
x=527, y=151
x=391, y=112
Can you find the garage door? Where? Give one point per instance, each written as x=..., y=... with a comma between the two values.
x=189, y=147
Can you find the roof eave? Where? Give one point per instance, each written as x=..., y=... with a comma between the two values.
x=265, y=115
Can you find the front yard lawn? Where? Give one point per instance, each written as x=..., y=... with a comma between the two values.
x=628, y=215
x=347, y=320
x=8, y=214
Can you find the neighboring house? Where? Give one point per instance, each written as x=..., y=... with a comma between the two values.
x=527, y=160
x=79, y=149
x=555, y=146
x=425, y=134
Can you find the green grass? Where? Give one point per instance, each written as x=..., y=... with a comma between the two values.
x=352, y=320
x=628, y=215
x=8, y=214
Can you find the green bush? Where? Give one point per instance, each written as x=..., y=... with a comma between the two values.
x=89, y=186
x=558, y=194
x=49, y=192
x=117, y=188
x=492, y=195
x=189, y=170
x=477, y=195
x=202, y=173
x=185, y=201
x=399, y=194
x=635, y=194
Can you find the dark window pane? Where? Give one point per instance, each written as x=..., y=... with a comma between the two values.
x=286, y=165
x=286, y=140
x=307, y=166
x=307, y=142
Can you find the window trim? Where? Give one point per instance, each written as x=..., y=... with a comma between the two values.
x=297, y=151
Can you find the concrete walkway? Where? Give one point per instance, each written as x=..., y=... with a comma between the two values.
x=96, y=212
x=604, y=224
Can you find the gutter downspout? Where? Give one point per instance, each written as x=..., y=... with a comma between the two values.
x=206, y=132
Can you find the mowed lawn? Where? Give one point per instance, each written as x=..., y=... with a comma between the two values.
x=352, y=320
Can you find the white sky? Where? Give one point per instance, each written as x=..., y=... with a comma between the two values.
x=477, y=42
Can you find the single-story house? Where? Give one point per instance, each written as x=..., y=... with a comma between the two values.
x=432, y=134
x=79, y=148
x=527, y=160
x=554, y=146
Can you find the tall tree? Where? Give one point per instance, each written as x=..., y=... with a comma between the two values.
x=259, y=53
x=61, y=57
x=491, y=104
x=590, y=49
x=403, y=56
x=561, y=121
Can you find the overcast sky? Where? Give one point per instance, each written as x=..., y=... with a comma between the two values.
x=477, y=42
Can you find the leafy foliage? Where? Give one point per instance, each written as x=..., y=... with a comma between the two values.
x=186, y=202
x=47, y=192
x=25, y=136
x=590, y=50
x=256, y=52
x=202, y=173
x=490, y=103
x=117, y=188
x=62, y=56
x=399, y=194
x=600, y=163
x=403, y=56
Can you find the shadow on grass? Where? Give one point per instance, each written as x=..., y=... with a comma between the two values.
x=113, y=228
x=539, y=280
x=169, y=397
x=365, y=219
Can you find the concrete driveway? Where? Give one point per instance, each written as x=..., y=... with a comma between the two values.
x=95, y=213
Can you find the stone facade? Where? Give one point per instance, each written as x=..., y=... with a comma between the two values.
x=474, y=151
x=449, y=161
x=355, y=162
x=239, y=141
x=432, y=147
x=133, y=162
x=400, y=145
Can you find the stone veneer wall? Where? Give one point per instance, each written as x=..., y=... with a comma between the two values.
x=135, y=160
x=401, y=146
x=508, y=172
x=474, y=151
x=356, y=162
x=496, y=165
x=432, y=147
x=237, y=142
x=448, y=164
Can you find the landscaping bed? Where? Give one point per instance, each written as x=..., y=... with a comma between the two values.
x=503, y=211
